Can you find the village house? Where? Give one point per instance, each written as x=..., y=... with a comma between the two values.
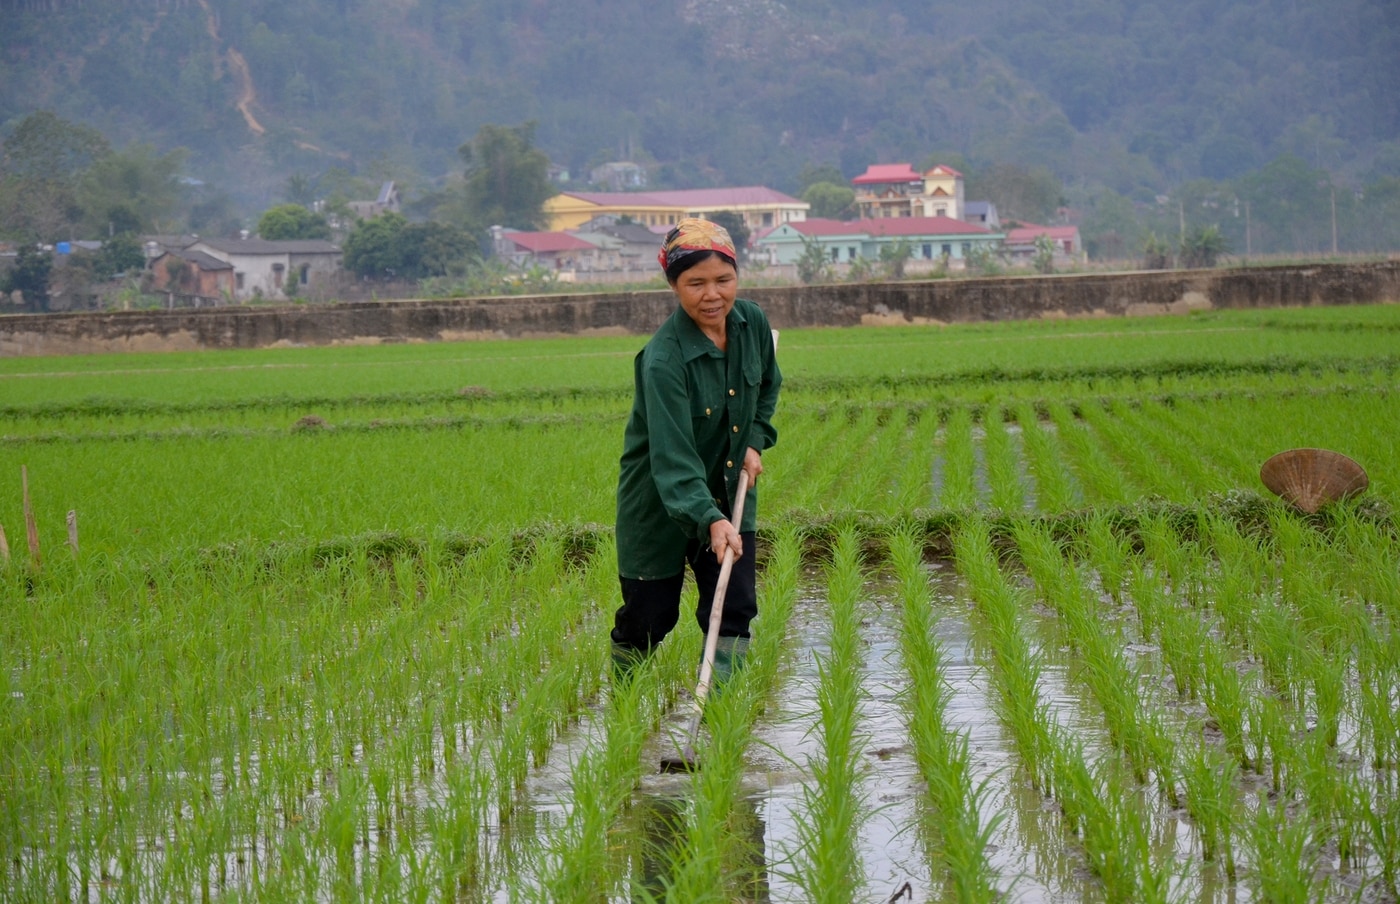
x=559, y=251
x=758, y=207
x=896, y=190
x=930, y=239
x=631, y=246
x=273, y=270
x=193, y=274
x=1020, y=243
x=387, y=201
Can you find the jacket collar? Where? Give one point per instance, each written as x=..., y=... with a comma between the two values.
x=694, y=343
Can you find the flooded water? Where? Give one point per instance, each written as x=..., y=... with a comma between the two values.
x=1035, y=859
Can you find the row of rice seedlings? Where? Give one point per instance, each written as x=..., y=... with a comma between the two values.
x=872, y=438
x=913, y=469
x=806, y=462
x=958, y=488
x=1101, y=663
x=955, y=833
x=827, y=865
x=1016, y=669
x=1003, y=463
x=1098, y=803
x=1144, y=466
x=709, y=864
x=578, y=860
x=1101, y=477
x=1144, y=421
x=1055, y=489
x=868, y=489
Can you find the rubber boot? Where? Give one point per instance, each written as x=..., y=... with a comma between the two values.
x=625, y=660
x=729, y=658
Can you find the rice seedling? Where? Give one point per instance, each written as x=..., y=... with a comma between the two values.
x=1053, y=488
x=960, y=838
x=1282, y=855
x=1003, y=465
x=1102, y=479
x=958, y=489
x=827, y=868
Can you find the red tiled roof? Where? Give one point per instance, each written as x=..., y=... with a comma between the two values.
x=1026, y=235
x=687, y=198
x=877, y=173
x=536, y=242
x=887, y=226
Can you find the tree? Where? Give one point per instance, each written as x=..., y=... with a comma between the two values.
x=1019, y=193
x=1202, y=247
x=41, y=165
x=813, y=175
x=30, y=276
x=46, y=147
x=1044, y=260
x=812, y=264
x=833, y=202
x=894, y=256
x=292, y=221
x=435, y=249
x=132, y=190
x=119, y=254
x=1156, y=253
x=738, y=232
x=507, y=179
x=390, y=246
x=372, y=250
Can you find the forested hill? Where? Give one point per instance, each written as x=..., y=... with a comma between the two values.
x=1130, y=95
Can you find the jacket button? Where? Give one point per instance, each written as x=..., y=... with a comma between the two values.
x=707, y=412
x=729, y=464
x=731, y=392
x=736, y=429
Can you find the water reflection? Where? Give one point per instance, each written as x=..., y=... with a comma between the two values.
x=661, y=830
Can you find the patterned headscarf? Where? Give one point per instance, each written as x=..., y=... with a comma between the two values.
x=694, y=234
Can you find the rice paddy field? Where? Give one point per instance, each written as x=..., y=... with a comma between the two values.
x=330, y=624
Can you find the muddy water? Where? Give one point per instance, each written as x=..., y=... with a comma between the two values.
x=1032, y=855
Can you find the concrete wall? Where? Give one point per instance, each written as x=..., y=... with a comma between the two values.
x=943, y=301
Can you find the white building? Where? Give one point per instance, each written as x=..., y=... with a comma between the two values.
x=273, y=270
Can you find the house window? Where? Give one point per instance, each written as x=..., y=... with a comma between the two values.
x=948, y=249
x=966, y=249
x=305, y=274
x=277, y=275
x=928, y=251
x=851, y=253
x=238, y=281
x=941, y=212
x=768, y=219
x=835, y=254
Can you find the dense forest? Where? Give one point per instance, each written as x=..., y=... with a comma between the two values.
x=1123, y=102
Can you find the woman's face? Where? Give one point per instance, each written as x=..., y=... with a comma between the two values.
x=707, y=291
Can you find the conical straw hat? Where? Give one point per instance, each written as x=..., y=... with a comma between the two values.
x=1311, y=478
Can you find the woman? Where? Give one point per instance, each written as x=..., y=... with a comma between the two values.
x=706, y=387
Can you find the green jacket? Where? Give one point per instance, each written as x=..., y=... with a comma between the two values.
x=695, y=412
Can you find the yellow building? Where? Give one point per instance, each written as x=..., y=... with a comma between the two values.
x=759, y=207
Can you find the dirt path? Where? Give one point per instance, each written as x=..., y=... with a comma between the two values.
x=247, y=94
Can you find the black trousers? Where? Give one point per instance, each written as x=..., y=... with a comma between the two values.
x=650, y=609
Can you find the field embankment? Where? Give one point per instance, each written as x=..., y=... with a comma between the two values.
x=848, y=304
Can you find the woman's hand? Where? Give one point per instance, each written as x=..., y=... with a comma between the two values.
x=724, y=536
x=753, y=465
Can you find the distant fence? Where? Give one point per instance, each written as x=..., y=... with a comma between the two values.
x=846, y=304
